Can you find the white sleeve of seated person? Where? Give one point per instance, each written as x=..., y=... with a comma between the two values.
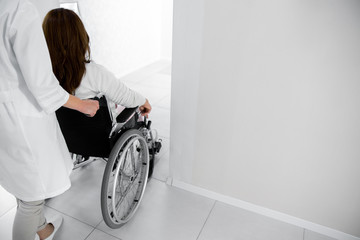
x=115, y=90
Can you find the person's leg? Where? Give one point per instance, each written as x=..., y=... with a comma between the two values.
x=29, y=219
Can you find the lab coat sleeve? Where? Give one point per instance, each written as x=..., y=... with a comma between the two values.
x=33, y=57
x=116, y=90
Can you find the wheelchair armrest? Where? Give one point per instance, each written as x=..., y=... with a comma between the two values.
x=126, y=114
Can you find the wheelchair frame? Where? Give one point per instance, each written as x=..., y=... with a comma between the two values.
x=129, y=152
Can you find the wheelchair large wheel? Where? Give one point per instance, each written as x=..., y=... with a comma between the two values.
x=125, y=178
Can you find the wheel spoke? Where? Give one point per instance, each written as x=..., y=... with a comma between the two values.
x=125, y=190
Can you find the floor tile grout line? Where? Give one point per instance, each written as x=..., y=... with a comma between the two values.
x=207, y=218
x=89, y=234
x=85, y=224
x=109, y=234
x=70, y=216
x=99, y=223
x=155, y=178
x=6, y=212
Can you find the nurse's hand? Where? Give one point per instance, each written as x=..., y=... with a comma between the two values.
x=90, y=107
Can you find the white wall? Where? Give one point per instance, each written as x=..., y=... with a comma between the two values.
x=126, y=35
x=266, y=105
x=167, y=27
x=187, y=44
x=44, y=6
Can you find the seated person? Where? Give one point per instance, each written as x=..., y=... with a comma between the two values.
x=68, y=44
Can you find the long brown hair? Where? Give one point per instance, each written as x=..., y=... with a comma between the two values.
x=68, y=44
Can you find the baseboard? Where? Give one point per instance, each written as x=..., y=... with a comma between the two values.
x=265, y=211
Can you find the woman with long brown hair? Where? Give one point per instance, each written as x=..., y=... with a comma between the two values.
x=68, y=44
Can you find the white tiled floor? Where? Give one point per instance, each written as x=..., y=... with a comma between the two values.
x=7, y=202
x=309, y=235
x=228, y=222
x=77, y=203
x=166, y=213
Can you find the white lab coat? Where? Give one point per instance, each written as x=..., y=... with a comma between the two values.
x=34, y=159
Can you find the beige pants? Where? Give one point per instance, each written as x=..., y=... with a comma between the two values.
x=29, y=219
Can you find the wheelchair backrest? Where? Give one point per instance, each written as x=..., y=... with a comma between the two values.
x=87, y=136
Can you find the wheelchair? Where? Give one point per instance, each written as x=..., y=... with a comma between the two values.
x=128, y=145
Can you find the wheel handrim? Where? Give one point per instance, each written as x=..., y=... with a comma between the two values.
x=129, y=181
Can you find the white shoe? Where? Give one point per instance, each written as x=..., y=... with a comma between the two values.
x=56, y=222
